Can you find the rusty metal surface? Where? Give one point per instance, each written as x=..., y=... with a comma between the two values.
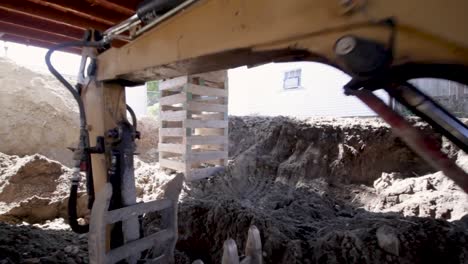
x=44, y=23
x=426, y=147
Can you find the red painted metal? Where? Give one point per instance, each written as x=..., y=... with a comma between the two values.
x=83, y=9
x=26, y=20
x=45, y=22
x=424, y=146
x=32, y=33
x=130, y=4
x=44, y=13
x=112, y=6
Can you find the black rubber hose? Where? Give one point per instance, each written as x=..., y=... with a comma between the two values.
x=84, y=138
x=153, y=8
x=134, y=119
x=59, y=77
x=72, y=213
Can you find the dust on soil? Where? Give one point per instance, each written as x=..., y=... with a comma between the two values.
x=309, y=211
x=304, y=217
x=341, y=190
x=35, y=189
x=51, y=242
x=39, y=116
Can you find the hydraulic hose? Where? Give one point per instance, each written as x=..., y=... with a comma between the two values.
x=80, y=152
x=134, y=119
x=61, y=79
x=72, y=212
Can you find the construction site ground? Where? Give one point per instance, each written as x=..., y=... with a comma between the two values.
x=321, y=190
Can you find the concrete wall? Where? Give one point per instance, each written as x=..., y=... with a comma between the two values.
x=260, y=91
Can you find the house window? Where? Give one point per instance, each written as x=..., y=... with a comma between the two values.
x=292, y=79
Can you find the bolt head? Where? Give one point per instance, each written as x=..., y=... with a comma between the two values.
x=345, y=45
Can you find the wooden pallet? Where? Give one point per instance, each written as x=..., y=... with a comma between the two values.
x=193, y=133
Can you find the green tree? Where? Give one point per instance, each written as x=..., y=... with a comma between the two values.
x=153, y=92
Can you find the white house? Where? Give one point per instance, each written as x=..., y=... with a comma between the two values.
x=300, y=89
x=137, y=99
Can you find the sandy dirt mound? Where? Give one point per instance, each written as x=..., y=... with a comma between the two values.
x=147, y=146
x=34, y=189
x=433, y=195
x=38, y=115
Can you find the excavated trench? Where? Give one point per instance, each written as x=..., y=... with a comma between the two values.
x=298, y=182
x=320, y=191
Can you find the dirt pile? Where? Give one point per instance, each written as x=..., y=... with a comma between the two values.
x=38, y=115
x=292, y=180
x=432, y=195
x=147, y=146
x=34, y=189
x=49, y=243
x=308, y=224
x=348, y=150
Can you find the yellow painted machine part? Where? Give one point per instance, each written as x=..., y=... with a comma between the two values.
x=427, y=31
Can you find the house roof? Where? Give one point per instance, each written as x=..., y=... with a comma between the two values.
x=44, y=23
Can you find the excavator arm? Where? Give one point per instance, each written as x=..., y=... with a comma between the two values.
x=381, y=44
x=210, y=35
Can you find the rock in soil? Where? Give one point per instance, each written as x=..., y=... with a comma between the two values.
x=37, y=244
x=35, y=189
x=313, y=188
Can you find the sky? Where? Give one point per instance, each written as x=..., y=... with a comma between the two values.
x=34, y=58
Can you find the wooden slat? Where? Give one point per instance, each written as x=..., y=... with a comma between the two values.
x=173, y=140
x=198, y=174
x=196, y=106
x=219, y=162
x=164, y=155
x=206, y=155
x=171, y=92
x=208, y=116
x=137, y=209
x=172, y=164
x=209, y=100
x=205, y=90
x=215, y=76
x=172, y=132
x=192, y=123
x=210, y=131
x=173, y=115
x=171, y=124
x=160, y=238
x=217, y=147
x=206, y=140
x=173, y=83
x=174, y=148
x=171, y=108
x=173, y=99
